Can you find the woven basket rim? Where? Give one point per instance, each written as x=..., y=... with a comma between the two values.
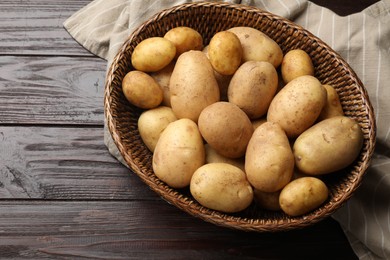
x=187, y=204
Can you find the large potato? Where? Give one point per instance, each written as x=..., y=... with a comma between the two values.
x=153, y=54
x=252, y=87
x=221, y=186
x=193, y=85
x=162, y=77
x=257, y=46
x=184, y=38
x=296, y=63
x=269, y=161
x=178, y=153
x=328, y=146
x=297, y=106
x=152, y=123
x=141, y=90
x=333, y=105
x=225, y=52
x=226, y=128
x=303, y=195
x=213, y=157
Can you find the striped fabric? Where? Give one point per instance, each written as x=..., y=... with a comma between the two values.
x=363, y=39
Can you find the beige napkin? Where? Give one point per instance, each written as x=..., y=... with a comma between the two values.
x=363, y=39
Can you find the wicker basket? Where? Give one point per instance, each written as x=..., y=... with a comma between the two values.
x=209, y=18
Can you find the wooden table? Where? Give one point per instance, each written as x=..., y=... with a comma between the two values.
x=62, y=195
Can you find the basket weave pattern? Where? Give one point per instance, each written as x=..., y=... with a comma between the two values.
x=208, y=18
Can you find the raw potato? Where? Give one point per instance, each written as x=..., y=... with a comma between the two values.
x=269, y=161
x=193, y=85
x=153, y=54
x=162, y=77
x=297, y=106
x=185, y=39
x=141, y=90
x=333, y=106
x=178, y=153
x=257, y=46
x=213, y=157
x=303, y=195
x=267, y=200
x=225, y=52
x=252, y=87
x=258, y=122
x=152, y=123
x=221, y=186
x=328, y=146
x=226, y=128
x=296, y=63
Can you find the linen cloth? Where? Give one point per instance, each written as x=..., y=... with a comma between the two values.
x=362, y=39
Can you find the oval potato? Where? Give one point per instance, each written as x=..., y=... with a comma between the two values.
x=221, y=186
x=253, y=87
x=193, y=85
x=269, y=161
x=267, y=200
x=185, y=39
x=303, y=195
x=152, y=123
x=328, y=146
x=333, y=105
x=162, y=77
x=213, y=157
x=153, y=54
x=257, y=46
x=296, y=63
x=297, y=105
x=178, y=153
x=141, y=90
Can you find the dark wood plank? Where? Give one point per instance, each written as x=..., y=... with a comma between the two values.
x=148, y=230
x=63, y=163
x=35, y=27
x=51, y=90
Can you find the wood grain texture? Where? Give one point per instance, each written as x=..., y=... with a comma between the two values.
x=35, y=27
x=63, y=163
x=133, y=230
x=51, y=90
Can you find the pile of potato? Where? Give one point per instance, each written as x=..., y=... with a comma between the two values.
x=237, y=121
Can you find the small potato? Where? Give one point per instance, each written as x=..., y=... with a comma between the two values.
x=141, y=90
x=226, y=128
x=267, y=200
x=178, y=153
x=303, y=195
x=213, y=157
x=221, y=186
x=333, y=106
x=162, y=77
x=152, y=123
x=296, y=63
x=269, y=161
x=225, y=52
x=253, y=87
x=328, y=146
x=297, y=105
x=185, y=39
x=257, y=46
x=153, y=54
x=193, y=85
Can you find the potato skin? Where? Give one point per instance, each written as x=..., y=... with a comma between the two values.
x=267, y=200
x=303, y=195
x=257, y=46
x=153, y=54
x=225, y=52
x=252, y=87
x=193, y=85
x=185, y=39
x=162, y=77
x=296, y=63
x=297, y=105
x=328, y=146
x=213, y=157
x=152, y=123
x=141, y=90
x=178, y=153
x=222, y=187
x=226, y=128
x=333, y=106
x=269, y=161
